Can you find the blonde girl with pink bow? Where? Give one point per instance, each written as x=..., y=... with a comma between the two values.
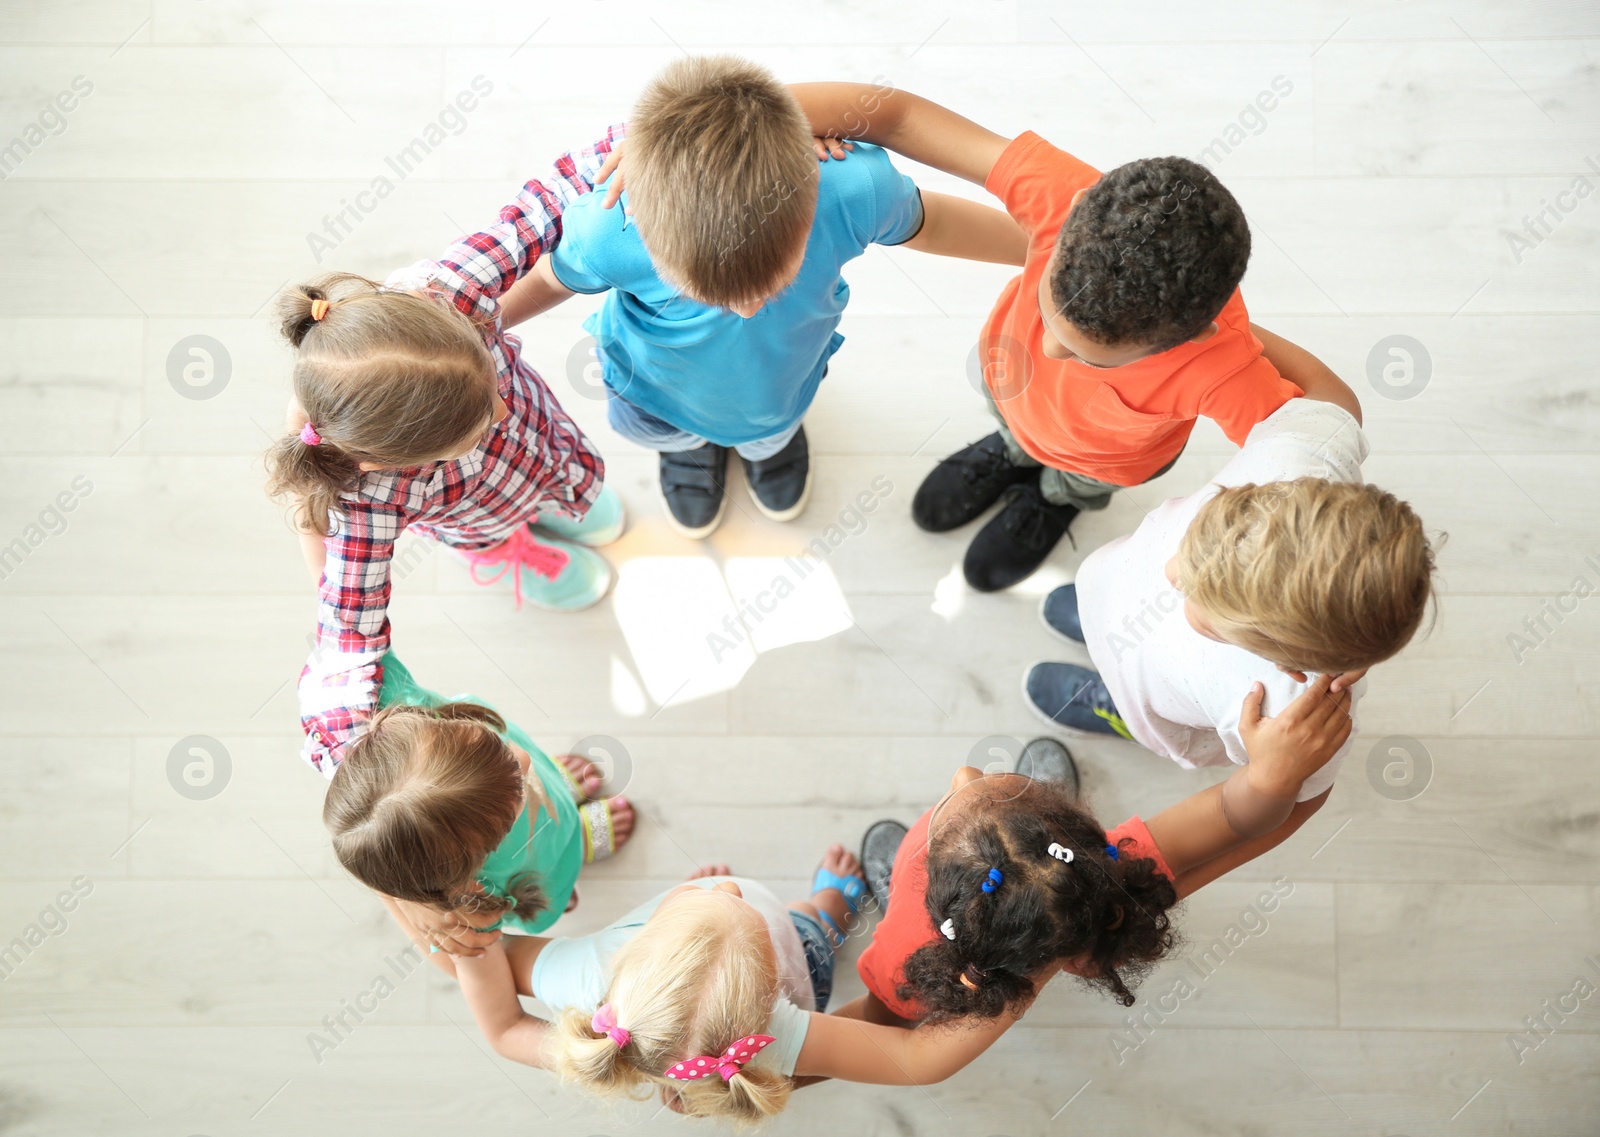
x=712, y=994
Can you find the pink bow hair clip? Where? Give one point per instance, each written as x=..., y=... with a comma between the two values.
x=727, y=1064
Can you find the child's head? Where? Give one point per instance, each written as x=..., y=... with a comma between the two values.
x=1311, y=574
x=1148, y=256
x=385, y=378
x=698, y=976
x=722, y=180
x=421, y=800
x=1105, y=918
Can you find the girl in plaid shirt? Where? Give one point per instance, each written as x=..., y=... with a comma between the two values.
x=413, y=409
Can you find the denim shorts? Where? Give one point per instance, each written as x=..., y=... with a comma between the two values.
x=638, y=425
x=819, y=955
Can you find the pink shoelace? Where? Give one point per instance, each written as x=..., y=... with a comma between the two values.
x=518, y=551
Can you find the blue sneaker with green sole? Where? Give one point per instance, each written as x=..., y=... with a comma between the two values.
x=1073, y=698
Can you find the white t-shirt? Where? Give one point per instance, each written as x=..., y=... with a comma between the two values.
x=575, y=971
x=1179, y=692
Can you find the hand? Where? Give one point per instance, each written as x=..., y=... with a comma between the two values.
x=1342, y=681
x=454, y=931
x=610, y=175
x=830, y=147
x=1288, y=748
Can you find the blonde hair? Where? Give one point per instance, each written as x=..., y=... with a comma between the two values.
x=721, y=178
x=385, y=377
x=691, y=983
x=421, y=800
x=1310, y=574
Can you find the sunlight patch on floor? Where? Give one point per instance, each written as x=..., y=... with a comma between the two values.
x=694, y=629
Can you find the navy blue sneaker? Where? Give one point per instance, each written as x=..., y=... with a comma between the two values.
x=1074, y=699
x=1060, y=613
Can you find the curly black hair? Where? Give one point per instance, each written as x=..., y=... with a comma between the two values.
x=1150, y=254
x=1115, y=911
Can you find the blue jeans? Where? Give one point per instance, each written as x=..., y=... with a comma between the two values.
x=647, y=430
x=819, y=955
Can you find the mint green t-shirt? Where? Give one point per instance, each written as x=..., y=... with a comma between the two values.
x=554, y=854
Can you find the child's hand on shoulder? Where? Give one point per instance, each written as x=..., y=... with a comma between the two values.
x=449, y=931
x=827, y=147
x=1342, y=681
x=610, y=174
x=1289, y=747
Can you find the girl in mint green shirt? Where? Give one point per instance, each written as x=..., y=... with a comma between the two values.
x=443, y=803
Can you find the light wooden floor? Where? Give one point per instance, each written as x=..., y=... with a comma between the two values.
x=1384, y=996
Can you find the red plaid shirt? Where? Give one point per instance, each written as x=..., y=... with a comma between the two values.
x=535, y=460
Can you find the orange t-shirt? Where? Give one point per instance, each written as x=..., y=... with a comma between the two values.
x=1119, y=424
x=906, y=926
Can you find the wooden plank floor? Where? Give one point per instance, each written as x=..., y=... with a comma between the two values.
x=1389, y=993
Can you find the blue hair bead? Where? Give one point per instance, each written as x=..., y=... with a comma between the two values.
x=994, y=880
x=1111, y=851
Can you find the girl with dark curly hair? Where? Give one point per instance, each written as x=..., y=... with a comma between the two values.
x=1008, y=880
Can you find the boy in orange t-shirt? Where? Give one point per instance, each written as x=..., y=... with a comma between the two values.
x=1125, y=326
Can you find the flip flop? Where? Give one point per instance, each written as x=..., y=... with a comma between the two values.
x=878, y=848
x=1047, y=760
x=578, y=793
x=599, y=834
x=852, y=888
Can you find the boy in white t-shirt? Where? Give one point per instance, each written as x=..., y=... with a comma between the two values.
x=1285, y=564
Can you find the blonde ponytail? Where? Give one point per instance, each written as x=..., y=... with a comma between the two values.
x=691, y=982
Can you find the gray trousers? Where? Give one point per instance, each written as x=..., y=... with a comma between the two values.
x=1060, y=487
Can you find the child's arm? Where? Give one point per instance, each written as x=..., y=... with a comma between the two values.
x=314, y=550
x=1196, y=878
x=1260, y=797
x=491, y=993
x=852, y=1050
x=489, y=985
x=1306, y=371
x=537, y=291
x=480, y=270
x=956, y=227
x=905, y=123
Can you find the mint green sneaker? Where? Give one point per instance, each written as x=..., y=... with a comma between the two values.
x=545, y=571
x=602, y=525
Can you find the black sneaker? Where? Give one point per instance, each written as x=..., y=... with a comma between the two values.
x=1017, y=540
x=878, y=849
x=965, y=484
x=781, y=485
x=693, y=484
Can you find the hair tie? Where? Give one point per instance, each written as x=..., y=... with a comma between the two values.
x=309, y=435
x=971, y=977
x=319, y=310
x=728, y=1063
x=1060, y=852
x=994, y=880
x=1111, y=851
x=948, y=929
x=605, y=1022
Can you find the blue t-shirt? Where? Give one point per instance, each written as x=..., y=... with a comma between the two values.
x=712, y=372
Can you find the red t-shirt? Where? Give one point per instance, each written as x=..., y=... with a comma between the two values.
x=906, y=926
x=1118, y=424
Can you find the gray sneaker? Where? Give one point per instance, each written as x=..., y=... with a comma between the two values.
x=878, y=849
x=1047, y=760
